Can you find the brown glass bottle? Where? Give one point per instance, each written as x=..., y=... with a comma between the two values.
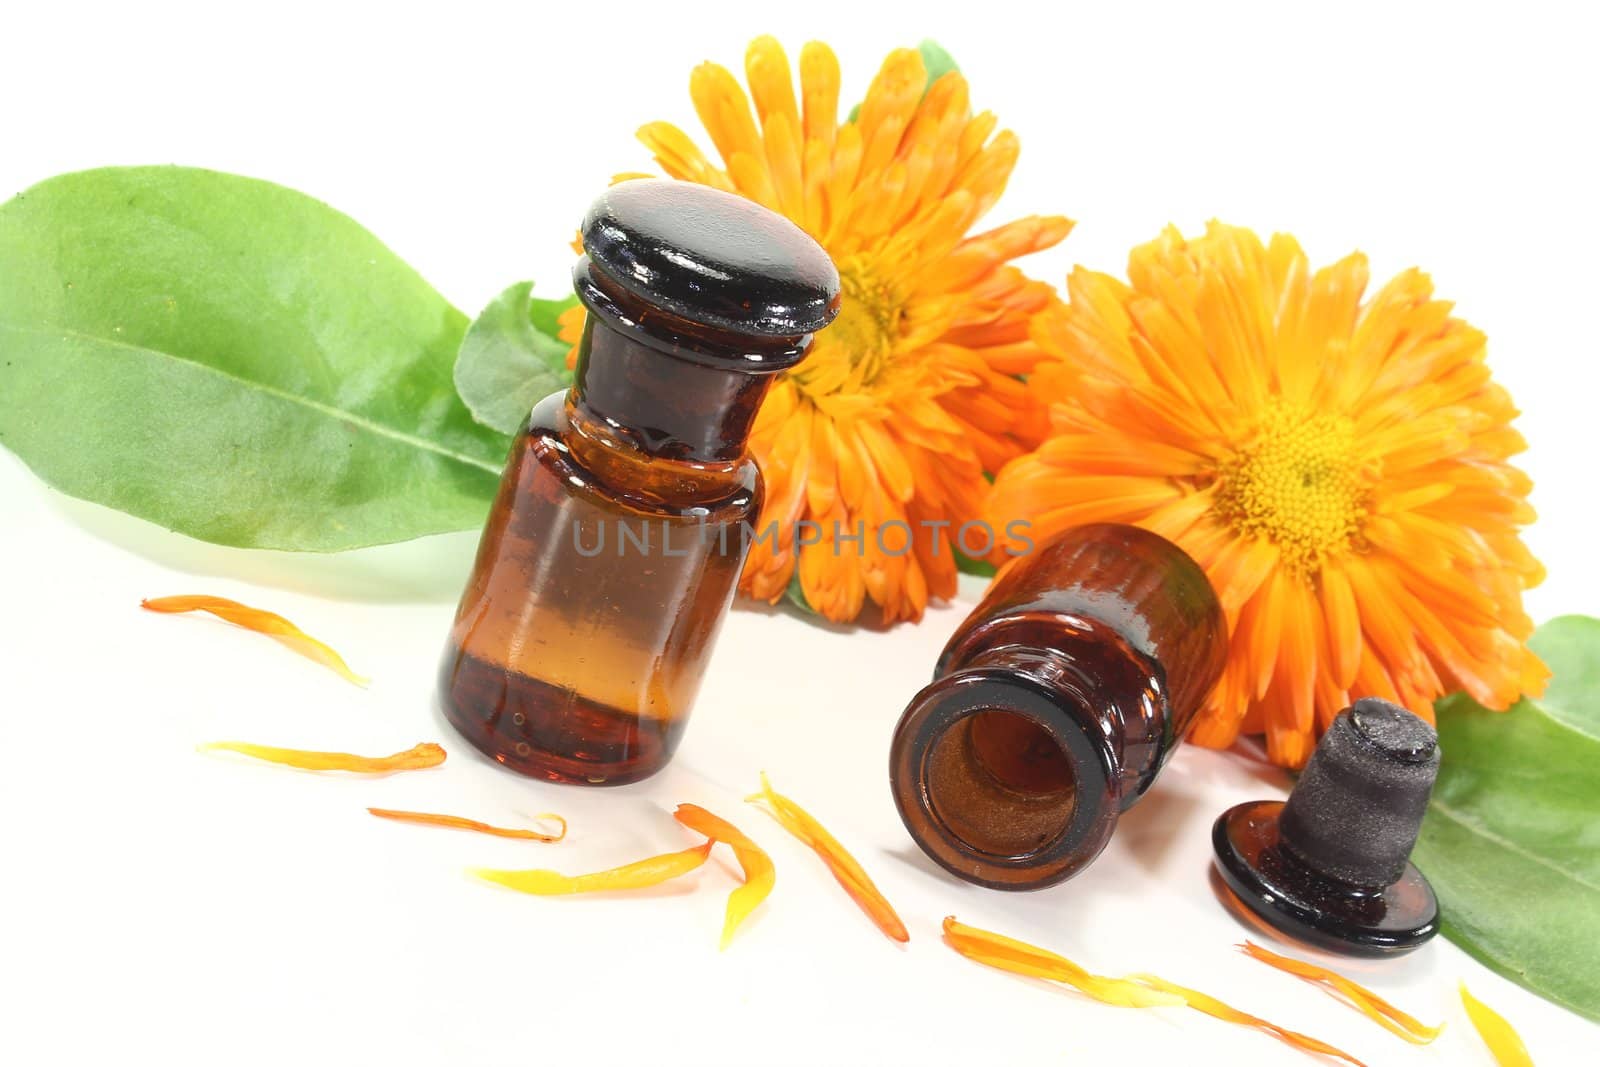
x=628, y=503
x=1055, y=704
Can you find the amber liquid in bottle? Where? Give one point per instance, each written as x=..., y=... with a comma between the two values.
x=1055, y=705
x=627, y=506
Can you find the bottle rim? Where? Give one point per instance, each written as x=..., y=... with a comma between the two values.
x=941, y=708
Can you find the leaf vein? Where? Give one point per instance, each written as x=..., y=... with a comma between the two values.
x=1509, y=845
x=353, y=419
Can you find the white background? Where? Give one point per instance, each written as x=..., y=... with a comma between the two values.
x=156, y=901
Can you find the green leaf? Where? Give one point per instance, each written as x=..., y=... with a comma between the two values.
x=935, y=60
x=1511, y=842
x=233, y=360
x=1570, y=647
x=511, y=359
x=967, y=565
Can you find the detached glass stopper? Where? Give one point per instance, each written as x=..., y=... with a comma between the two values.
x=1331, y=866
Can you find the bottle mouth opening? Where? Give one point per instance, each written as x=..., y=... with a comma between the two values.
x=1001, y=784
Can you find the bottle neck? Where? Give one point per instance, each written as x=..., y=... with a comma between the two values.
x=1012, y=768
x=617, y=460
x=670, y=388
x=660, y=406
x=1129, y=580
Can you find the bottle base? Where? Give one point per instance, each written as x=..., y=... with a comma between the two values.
x=548, y=732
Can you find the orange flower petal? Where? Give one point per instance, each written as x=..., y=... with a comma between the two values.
x=819, y=86
x=680, y=157
x=416, y=758
x=457, y=822
x=886, y=110
x=1364, y=1000
x=724, y=110
x=1227, y=1013
x=262, y=622
x=766, y=68
x=1343, y=622
x=759, y=873
x=638, y=875
x=1504, y=1043
x=849, y=874
x=1019, y=957
x=1138, y=991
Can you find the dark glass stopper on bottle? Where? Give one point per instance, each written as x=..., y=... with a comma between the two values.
x=625, y=512
x=711, y=258
x=1331, y=866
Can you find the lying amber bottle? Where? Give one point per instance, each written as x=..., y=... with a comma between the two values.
x=629, y=503
x=1055, y=705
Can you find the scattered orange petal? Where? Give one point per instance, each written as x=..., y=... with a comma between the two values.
x=1134, y=991
x=1505, y=1044
x=415, y=758
x=759, y=873
x=457, y=822
x=1019, y=957
x=262, y=622
x=1227, y=1013
x=1363, y=999
x=639, y=875
x=793, y=818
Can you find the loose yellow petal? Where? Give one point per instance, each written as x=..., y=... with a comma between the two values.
x=639, y=875
x=846, y=871
x=1135, y=991
x=416, y=758
x=1019, y=957
x=759, y=873
x=457, y=822
x=262, y=622
x=1363, y=999
x=1503, y=1040
x=1227, y=1013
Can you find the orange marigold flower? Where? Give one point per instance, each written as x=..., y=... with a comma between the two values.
x=1338, y=466
x=887, y=427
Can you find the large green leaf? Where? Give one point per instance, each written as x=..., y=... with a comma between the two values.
x=1512, y=838
x=233, y=360
x=511, y=358
x=1570, y=646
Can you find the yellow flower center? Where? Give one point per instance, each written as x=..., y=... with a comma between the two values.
x=858, y=344
x=1299, y=483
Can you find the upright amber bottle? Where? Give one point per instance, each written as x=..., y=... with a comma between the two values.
x=628, y=503
x=1055, y=705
